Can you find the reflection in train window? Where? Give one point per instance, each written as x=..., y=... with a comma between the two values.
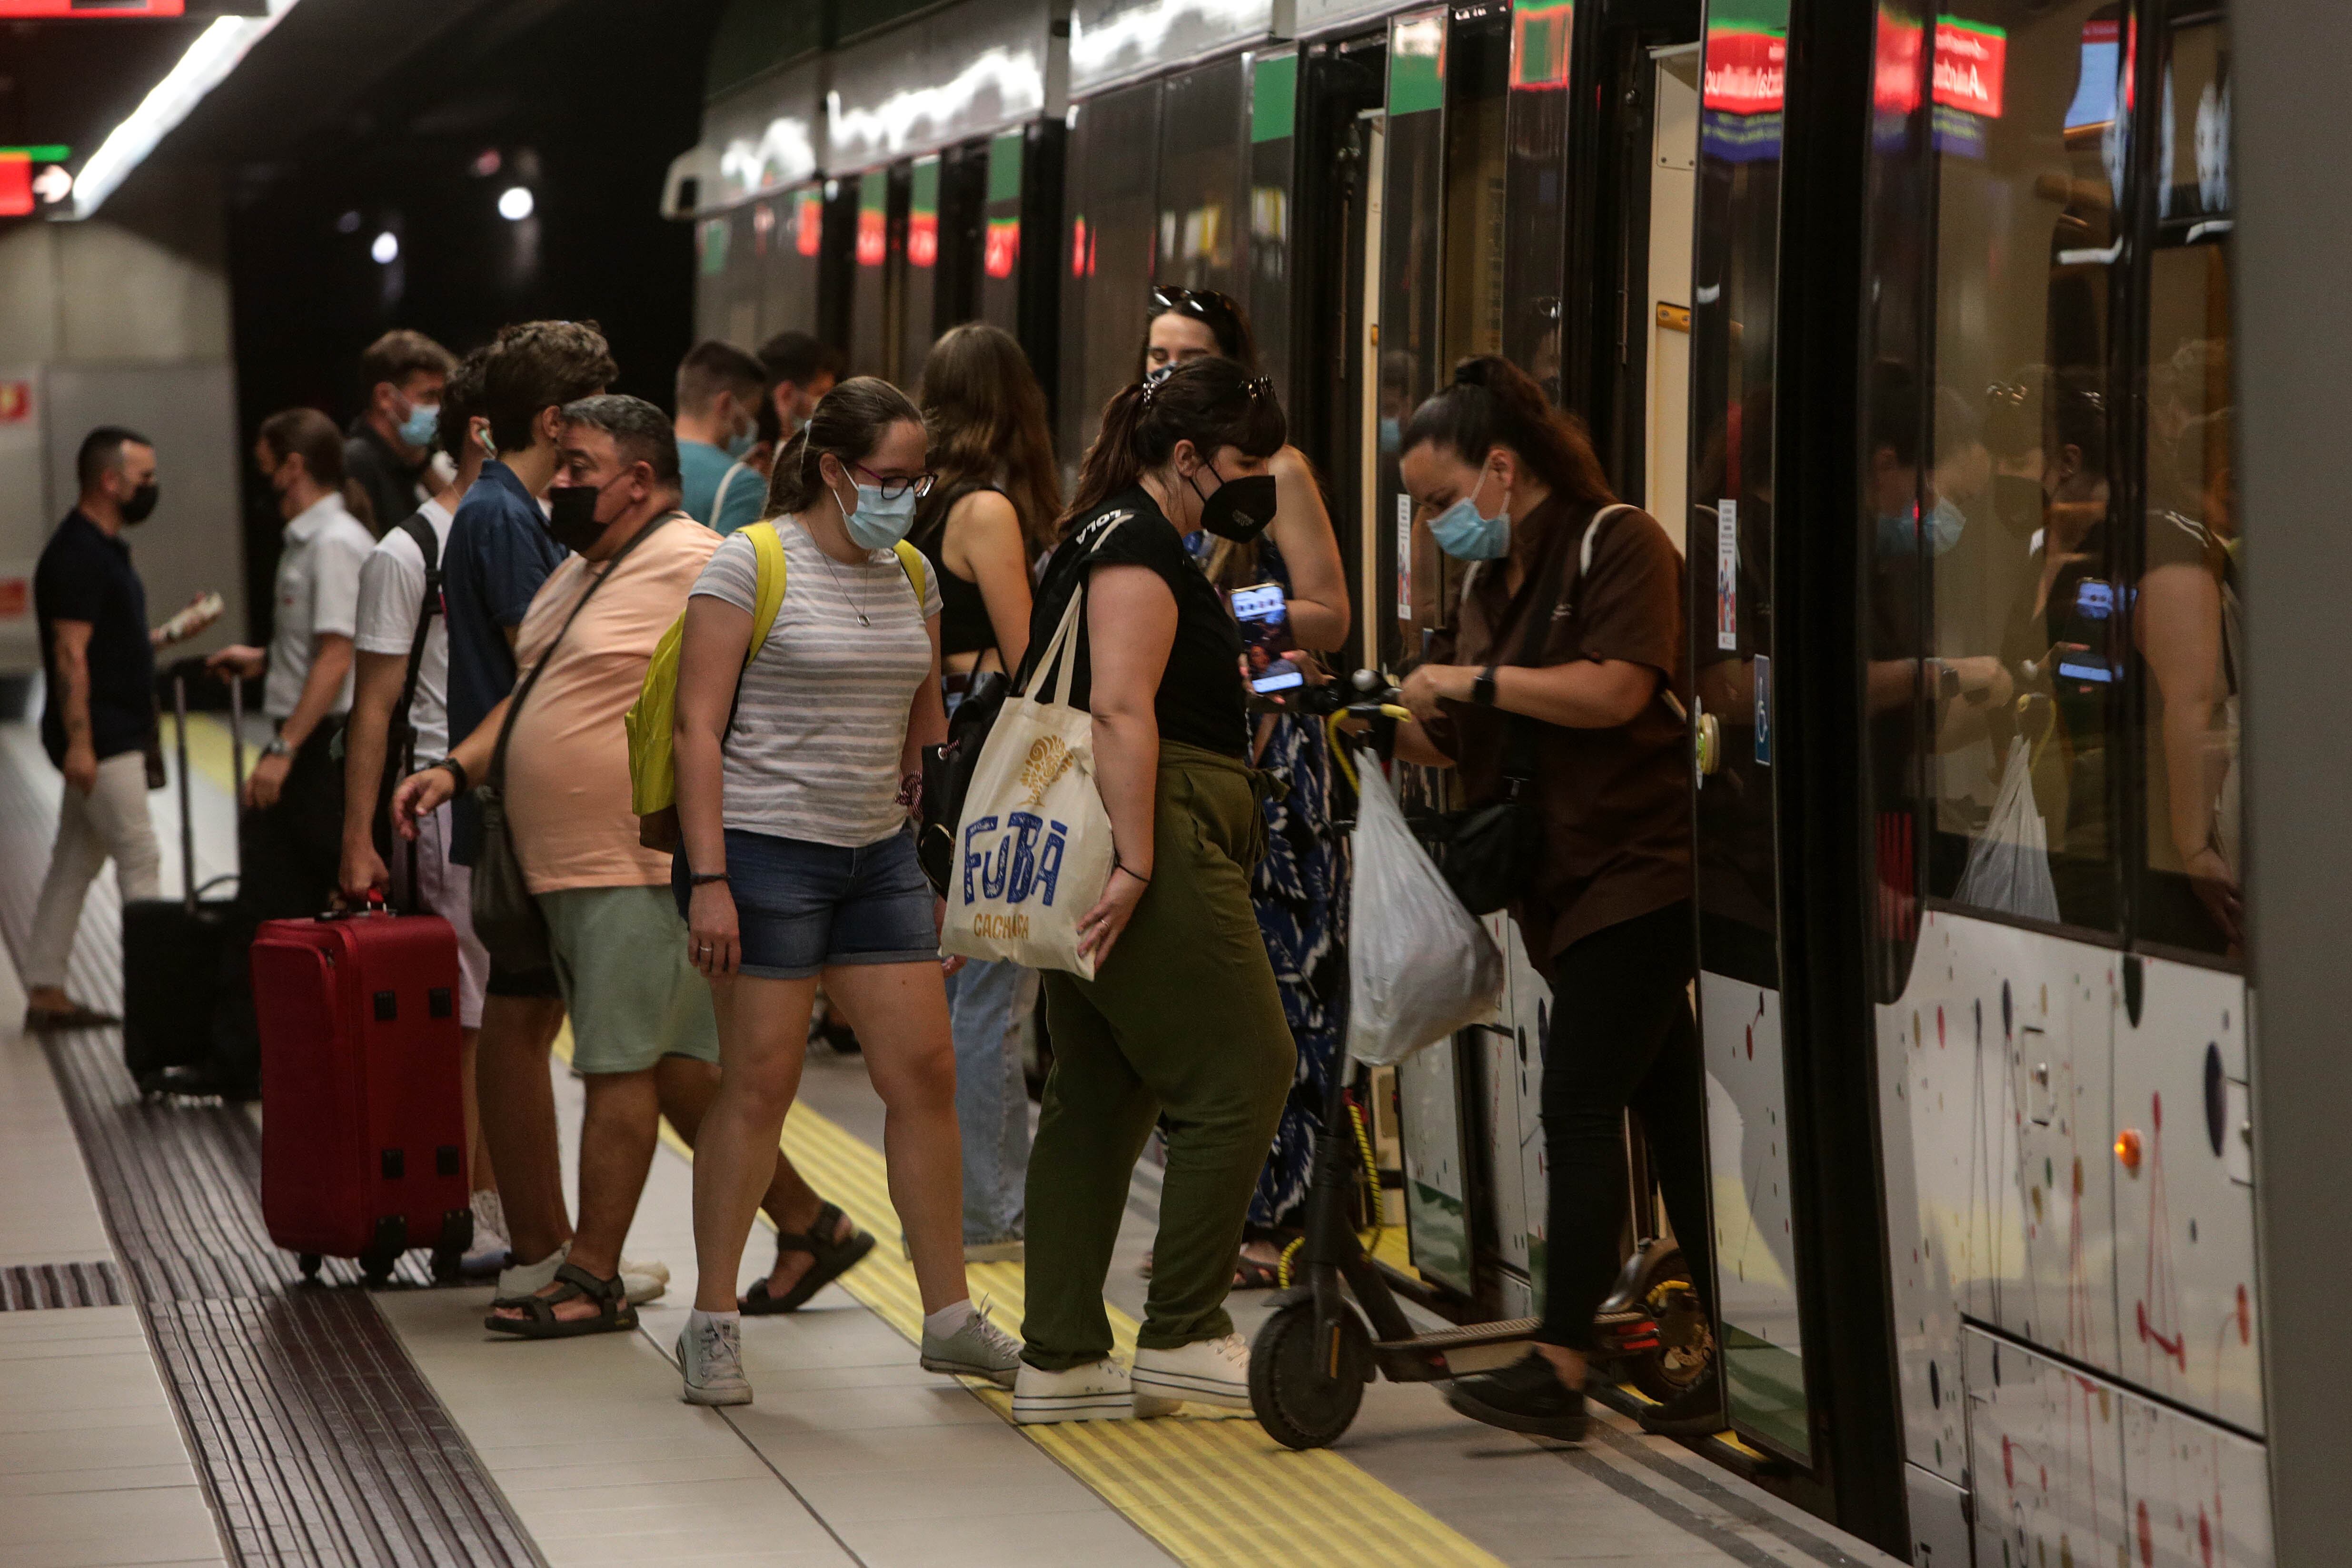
x=2187, y=619
x=1109, y=219
x=1272, y=125
x=878, y=249
x=788, y=272
x=2009, y=522
x=1412, y=291
x=1201, y=183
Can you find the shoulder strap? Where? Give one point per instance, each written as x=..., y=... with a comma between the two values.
x=719, y=496
x=768, y=598
x=918, y=569
x=428, y=549
x=497, y=774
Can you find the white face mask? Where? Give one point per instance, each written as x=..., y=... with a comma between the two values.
x=877, y=523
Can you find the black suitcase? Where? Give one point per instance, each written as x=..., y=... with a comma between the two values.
x=172, y=958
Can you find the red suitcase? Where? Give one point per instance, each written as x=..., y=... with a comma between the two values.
x=363, y=1128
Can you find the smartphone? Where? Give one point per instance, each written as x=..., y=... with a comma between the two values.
x=1264, y=617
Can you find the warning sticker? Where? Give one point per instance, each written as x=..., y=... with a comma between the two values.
x=1726, y=576
x=1404, y=556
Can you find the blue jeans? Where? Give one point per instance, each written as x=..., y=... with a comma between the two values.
x=987, y=1006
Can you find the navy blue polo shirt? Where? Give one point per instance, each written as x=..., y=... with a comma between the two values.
x=499, y=553
x=85, y=574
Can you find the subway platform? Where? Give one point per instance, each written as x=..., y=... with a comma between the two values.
x=171, y=1393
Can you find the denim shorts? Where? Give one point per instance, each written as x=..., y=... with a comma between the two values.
x=802, y=907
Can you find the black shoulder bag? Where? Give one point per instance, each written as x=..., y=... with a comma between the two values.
x=507, y=918
x=1488, y=854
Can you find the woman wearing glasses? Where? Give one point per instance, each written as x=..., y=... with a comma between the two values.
x=795, y=773
x=1300, y=889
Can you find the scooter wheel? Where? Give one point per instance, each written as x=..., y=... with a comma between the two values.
x=1305, y=1388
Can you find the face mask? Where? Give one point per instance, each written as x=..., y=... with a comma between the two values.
x=741, y=444
x=571, y=516
x=1158, y=372
x=424, y=423
x=1239, y=509
x=1944, y=525
x=1466, y=533
x=877, y=523
x=1391, y=432
x=141, y=503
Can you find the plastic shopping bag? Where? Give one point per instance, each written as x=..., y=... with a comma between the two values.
x=2008, y=865
x=1421, y=966
x=1034, y=849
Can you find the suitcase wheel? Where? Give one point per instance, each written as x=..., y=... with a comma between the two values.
x=309, y=1261
x=376, y=1268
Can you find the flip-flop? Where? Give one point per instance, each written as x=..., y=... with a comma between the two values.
x=830, y=1259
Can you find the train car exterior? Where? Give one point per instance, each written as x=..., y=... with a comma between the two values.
x=1994, y=1265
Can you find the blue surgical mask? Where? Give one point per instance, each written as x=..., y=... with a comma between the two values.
x=424, y=422
x=1466, y=533
x=877, y=524
x=1943, y=526
x=741, y=444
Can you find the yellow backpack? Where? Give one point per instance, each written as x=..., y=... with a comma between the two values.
x=652, y=720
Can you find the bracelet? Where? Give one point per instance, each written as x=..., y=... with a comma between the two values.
x=1119, y=864
x=457, y=771
x=704, y=879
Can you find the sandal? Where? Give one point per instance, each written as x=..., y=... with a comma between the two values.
x=614, y=1313
x=1252, y=1274
x=830, y=1260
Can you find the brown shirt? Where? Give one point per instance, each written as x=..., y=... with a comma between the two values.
x=1615, y=803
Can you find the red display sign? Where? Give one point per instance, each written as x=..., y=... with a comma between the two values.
x=16, y=184
x=1002, y=247
x=1746, y=72
x=93, y=8
x=872, y=236
x=1082, y=250
x=808, y=224
x=922, y=239
x=1971, y=58
x=1896, y=87
x=15, y=401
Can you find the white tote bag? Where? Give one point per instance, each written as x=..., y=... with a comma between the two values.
x=1034, y=850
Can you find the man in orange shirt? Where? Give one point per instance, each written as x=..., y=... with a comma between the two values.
x=644, y=1036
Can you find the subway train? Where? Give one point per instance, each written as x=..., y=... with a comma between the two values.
x=1916, y=332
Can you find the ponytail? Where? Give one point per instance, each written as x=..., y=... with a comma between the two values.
x=1211, y=403
x=1492, y=403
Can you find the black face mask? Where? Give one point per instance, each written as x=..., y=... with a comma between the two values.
x=141, y=503
x=1239, y=509
x=2018, y=503
x=571, y=516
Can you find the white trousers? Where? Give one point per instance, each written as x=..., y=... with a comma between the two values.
x=108, y=823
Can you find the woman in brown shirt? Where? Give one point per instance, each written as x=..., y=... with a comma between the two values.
x=1508, y=483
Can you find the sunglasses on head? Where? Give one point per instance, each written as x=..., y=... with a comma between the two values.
x=1202, y=304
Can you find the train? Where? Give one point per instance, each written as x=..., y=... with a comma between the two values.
x=1916, y=330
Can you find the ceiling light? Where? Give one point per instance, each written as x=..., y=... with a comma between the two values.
x=514, y=204
x=386, y=249
x=208, y=62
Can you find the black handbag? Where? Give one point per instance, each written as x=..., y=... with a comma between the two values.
x=947, y=775
x=507, y=918
x=1489, y=854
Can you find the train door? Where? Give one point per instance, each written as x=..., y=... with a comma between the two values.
x=1666, y=308
x=1110, y=226
x=926, y=293
x=789, y=271
x=877, y=282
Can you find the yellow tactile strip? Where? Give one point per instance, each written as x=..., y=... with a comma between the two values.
x=1212, y=1489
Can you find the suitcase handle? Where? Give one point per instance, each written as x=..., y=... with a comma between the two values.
x=374, y=906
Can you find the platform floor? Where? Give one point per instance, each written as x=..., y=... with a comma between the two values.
x=167, y=1400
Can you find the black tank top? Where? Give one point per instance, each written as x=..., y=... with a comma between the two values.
x=964, y=626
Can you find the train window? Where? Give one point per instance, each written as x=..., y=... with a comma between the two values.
x=1110, y=219
x=1535, y=257
x=2187, y=616
x=873, y=318
x=1200, y=181
x=2005, y=520
x=1412, y=292
x=1000, y=259
x=919, y=287
x=787, y=273
x=1272, y=125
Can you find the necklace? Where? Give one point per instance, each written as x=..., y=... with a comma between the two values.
x=857, y=607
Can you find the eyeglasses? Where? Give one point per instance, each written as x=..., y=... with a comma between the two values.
x=892, y=489
x=1205, y=305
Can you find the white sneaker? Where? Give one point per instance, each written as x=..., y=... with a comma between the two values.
x=1096, y=1393
x=1206, y=1371
x=490, y=1251
x=978, y=1349
x=711, y=1358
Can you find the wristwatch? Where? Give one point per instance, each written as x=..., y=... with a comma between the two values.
x=1482, y=687
x=277, y=747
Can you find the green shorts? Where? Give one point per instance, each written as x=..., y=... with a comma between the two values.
x=620, y=960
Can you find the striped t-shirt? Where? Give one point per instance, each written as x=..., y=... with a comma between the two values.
x=821, y=723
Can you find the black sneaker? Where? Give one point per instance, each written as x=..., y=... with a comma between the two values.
x=1695, y=1412
x=1525, y=1397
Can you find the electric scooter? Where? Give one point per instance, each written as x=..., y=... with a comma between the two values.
x=1314, y=1352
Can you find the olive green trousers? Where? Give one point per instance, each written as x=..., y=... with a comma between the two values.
x=1182, y=1021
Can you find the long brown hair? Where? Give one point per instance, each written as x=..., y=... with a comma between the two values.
x=1211, y=403
x=984, y=417
x=1492, y=403
x=850, y=422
